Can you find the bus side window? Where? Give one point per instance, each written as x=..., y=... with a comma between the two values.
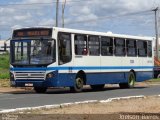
x=65, y=54
x=131, y=48
x=94, y=45
x=142, y=48
x=149, y=49
x=106, y=46
x=80, y=44
x=119, y=47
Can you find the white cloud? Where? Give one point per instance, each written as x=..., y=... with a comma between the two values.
x=16, y=26
x=84, y=10
x=44, y=14
x=4, y=11
x=47, y=22
x=22, y=17
x=36, y=1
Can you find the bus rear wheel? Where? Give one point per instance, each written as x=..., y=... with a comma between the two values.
x=97, y=87
x=40, y=89
x=130, y=83
x=78, y=86
x=158, y=76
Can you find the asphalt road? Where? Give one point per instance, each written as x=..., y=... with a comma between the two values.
x=54, y=96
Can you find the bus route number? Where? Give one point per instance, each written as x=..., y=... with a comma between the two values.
x=131, y=61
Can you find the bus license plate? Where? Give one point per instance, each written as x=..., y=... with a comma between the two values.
x=29, y=84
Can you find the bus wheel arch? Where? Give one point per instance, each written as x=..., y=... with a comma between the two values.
x=133, y=73
x=80, y=80
x=131, y=79
x=158, y=76
x=82, y=74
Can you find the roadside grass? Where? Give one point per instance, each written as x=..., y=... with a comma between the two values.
x=4, y=74
x=4, y=61
x=4, y=83
x=4, y=66
x=4, y=70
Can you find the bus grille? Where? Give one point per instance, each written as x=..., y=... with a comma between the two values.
x=29, y=75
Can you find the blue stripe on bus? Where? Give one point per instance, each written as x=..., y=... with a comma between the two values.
x=101, y=68
x=28, y=69
x=83, y=68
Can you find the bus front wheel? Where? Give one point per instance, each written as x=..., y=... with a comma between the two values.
x=40, y=89
x=78, y=86
x=130, y=83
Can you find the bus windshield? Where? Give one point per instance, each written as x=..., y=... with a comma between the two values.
x=33, y=52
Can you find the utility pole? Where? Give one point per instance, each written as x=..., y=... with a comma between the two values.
x=63, y=8
x=156, y=31
x=57, y=8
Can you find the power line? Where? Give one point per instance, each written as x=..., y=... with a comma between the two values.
x=146, y=12
x=23, y=4
x=110, y=17
x=97, y=19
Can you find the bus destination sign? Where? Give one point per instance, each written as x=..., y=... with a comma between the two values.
x=42, y=32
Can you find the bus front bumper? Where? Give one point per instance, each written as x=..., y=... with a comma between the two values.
x=39, y=83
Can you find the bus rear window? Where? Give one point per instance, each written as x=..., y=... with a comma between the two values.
x=149, y=49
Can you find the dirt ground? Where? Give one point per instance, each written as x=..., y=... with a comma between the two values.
x=150, y=104
x=147, y=108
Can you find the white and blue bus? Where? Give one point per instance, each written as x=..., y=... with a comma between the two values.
x=44, y=57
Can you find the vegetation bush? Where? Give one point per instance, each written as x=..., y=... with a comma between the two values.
x=4, y=66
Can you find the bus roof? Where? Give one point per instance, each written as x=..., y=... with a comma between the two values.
x=109, y=34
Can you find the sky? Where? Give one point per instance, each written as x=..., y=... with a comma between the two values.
x=133, y=17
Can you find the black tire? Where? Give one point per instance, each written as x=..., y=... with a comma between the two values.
x=78, y=86
x=97, y=87
x=131, y=81
x=158, y=76
x=123, y=85
x=40, y=89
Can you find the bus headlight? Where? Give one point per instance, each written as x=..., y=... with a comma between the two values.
x=50, y=75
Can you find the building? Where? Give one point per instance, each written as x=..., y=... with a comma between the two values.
x=2, y=46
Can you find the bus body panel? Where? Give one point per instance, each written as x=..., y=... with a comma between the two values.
x=145, y=75
x=67, y=80
x=98, y=69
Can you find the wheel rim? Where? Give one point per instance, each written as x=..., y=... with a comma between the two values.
x=79, y=83
x=131, y=80
x=158, y=76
